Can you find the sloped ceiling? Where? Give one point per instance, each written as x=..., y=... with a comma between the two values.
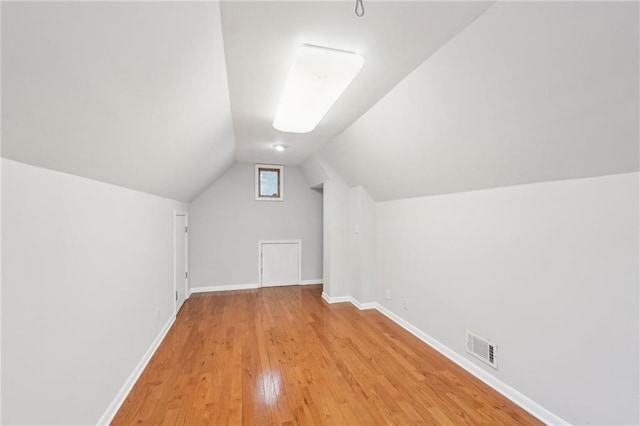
x=261, y=38
x=529, y=92
x=147, y=95
x=130, y=93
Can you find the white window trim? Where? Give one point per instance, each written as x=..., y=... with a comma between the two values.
x=280, y=183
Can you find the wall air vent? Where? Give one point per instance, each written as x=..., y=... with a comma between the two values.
x=482, y=349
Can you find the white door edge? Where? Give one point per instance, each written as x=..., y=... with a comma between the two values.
x=176, y=214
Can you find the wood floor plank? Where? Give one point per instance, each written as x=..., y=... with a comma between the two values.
x=283, y=356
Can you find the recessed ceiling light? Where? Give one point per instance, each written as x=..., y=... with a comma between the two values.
x=317, y=78
x=279, y=147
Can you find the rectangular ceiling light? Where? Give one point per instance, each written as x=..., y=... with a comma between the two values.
x=317, y=78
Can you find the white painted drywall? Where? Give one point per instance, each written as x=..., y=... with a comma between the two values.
x=337, y=262
x=314, y=171
x=362, y=245
x=127, y=92
x=0, y=235
x=548, y=271
x=0, y=249
x=226, y=223
x=349, y=233
x=85, y=265
x=528, y=92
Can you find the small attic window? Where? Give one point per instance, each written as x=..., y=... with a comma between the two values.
x=269, y=182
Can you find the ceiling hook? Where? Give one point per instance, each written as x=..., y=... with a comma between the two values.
x=359, y=8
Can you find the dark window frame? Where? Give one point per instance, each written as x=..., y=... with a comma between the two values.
x=259, y=168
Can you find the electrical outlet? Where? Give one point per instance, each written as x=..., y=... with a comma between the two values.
x=387, y=294
x=405, y=304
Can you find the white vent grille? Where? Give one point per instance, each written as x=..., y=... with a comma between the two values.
x=482, y=349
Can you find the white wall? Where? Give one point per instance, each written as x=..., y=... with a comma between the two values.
x=126, y=92
x=0, y=255
x=548, y=271
x=315, y=171
x=362, y=245
x=530, y=91
x=84, y=267
x=335, y=224
x=338, y=274
x=349, y=233
x=226, y=223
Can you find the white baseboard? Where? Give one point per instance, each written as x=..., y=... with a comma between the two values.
x=342, y=299
x=336, y=299
x=527, y=404
x=240, y=287
x=225, y=288
x=108, y=415
x=363, y=306
x=310, y=282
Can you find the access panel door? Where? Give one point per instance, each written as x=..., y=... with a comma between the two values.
x=280, y=263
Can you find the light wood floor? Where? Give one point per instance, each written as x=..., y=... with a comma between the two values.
x=284, y=356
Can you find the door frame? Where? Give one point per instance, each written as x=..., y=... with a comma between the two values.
x=177, y=213
x=262, y=242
